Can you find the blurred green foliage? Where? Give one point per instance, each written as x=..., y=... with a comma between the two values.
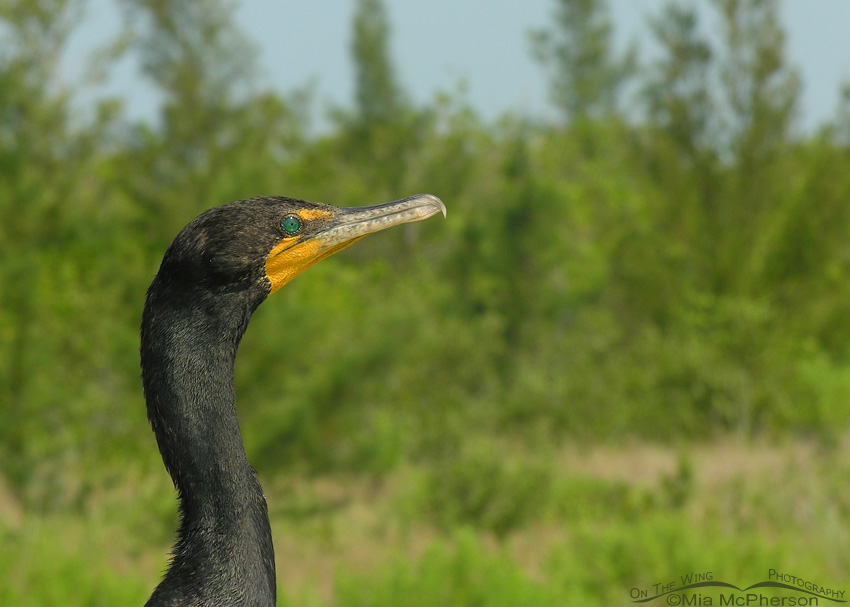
x=673, y=272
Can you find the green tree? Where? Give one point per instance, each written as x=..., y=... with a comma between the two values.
x=586, y=74
x=217, y=133
x=200, y=62
x=379, y=98
x=52, y=210
x=760, y=94
x=379, y=138
x=682, y=148
x=760, y=89
x=30, y=110
x=678, y=84
x=841, y=127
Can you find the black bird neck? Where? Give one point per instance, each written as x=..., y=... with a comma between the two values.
x=224, y=547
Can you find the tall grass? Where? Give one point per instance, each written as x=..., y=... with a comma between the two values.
x=582, y=526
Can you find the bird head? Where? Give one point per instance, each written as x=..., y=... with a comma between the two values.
x=261, y=244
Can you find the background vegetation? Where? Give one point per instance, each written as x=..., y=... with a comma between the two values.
x=623, y=357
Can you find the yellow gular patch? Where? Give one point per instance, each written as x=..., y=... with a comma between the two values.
x=290, y=257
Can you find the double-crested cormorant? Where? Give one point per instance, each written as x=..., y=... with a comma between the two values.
x=216, y=272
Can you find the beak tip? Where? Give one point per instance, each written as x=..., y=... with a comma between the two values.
x=434, y=201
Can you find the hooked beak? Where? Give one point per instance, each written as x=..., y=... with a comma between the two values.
x=356, y=222
x=342, y=228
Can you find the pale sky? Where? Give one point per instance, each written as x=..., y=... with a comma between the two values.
x=438, y=43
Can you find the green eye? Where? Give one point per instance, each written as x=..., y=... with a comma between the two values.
x=291, y=224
